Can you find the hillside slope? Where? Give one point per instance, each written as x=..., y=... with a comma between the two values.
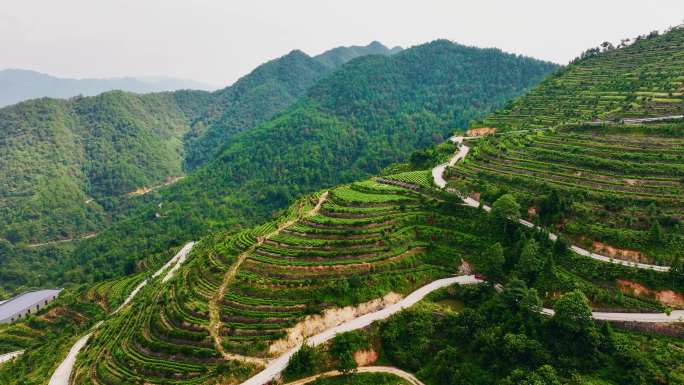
x=644, y=79
x=62, y=161
x=372, y=112
x=243, y=298
x=613, y=186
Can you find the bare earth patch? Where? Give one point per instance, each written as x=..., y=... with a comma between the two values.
x=665, y=297
x=614, y=252
x=474, y=195
x=481, y=131
x=314, y=324
x=465, y=268
x=365, y=357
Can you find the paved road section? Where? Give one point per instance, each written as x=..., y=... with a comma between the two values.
x=364, y=369
x=276, y=366
x=174, y=263
x=674, y=316
x=63, y=373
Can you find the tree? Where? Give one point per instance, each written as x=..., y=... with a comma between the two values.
x=531, y=262
x=656, y=232
x=576, y=330
x=343, y=347
x=518, y=297
x=303, y=362
x=677, y=271
x=505, y=210
x=544, y=375
x=450, y=369
x=553, y=207
x=573, y=312
x=491, y=262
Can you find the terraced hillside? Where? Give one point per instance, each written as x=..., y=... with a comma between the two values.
x=645, y=79
x=239, y=301
x=239, y=295
x=617, y=190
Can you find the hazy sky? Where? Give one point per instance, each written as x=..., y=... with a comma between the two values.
x=218, y=41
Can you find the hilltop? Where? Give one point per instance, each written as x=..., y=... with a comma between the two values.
x=643, y=79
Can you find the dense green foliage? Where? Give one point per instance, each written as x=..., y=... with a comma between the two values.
x=373, y=111
x=644, y=79
x=62, y=162
x=258, y=96
x=362, y=379
x=501, y=338
x=242, y=291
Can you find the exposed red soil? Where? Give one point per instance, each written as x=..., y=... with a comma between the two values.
x=365, y=357
x=665, y=297
x=614, y=252
x=481, y=131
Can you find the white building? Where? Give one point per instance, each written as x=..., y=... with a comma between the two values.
x=25, y=304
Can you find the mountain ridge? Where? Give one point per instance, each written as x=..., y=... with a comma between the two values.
x=17, y=85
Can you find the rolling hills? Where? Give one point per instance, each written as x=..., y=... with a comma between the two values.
x=352, y=122
x=66, y=164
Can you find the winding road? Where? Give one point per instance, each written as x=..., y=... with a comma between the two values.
x=438, y=177
x=275, y=367
x=364, y=369
x=674, y=316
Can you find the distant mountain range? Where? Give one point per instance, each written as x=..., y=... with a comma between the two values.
x=17, y=85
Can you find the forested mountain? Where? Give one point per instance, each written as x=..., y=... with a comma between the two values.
x=18, y=85
x=503, y=301
x=258, y=96
x=340, y=55
x=67, y=163
x=62, y=161
x=373, y=111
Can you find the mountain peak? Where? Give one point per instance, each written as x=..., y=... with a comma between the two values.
x=340, y=55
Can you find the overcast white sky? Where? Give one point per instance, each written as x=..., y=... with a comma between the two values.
x=217, y=41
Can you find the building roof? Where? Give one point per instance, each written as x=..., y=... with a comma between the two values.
x=26, y=300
